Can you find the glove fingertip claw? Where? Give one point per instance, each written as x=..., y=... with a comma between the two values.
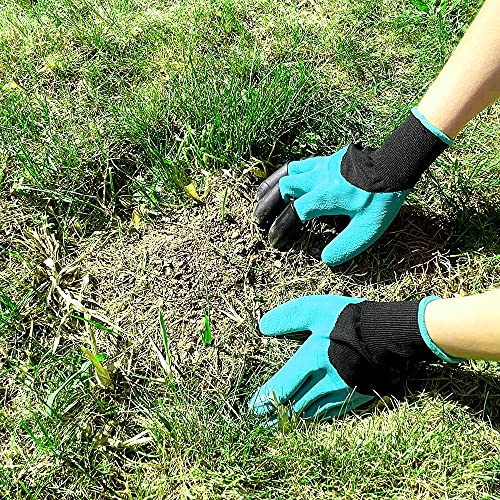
x=286, y=228
x=268, y=183
x=269, y=206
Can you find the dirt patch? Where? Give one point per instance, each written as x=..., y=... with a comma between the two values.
x=212, y=259
x=203, y=260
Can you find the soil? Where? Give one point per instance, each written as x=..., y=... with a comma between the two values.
x=204, y=260
x=212, y=259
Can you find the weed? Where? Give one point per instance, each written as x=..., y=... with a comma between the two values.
x=206, y=331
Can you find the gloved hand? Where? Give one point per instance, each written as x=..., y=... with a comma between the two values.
x=367, y=185
x=357, y=349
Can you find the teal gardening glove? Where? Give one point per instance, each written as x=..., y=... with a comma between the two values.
x=367, y=185
x=356, y=349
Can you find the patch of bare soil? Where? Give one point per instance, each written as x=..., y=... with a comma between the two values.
x=205, y=259
x=212, y=259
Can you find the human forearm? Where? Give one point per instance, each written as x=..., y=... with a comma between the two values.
x=466, y=327
x=470, y=80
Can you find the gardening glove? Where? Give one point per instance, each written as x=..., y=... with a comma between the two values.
x=356, y=350
x=365, y=184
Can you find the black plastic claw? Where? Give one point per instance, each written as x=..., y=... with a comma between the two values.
x=273, y=179
x=286, y=228
x=269, y=206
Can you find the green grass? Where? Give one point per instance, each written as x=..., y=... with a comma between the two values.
x=107, y=106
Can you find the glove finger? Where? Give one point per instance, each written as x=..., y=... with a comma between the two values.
x=295, y=186
x=286, y=228
x=282, y=386
x=299, y=167
x=313, y=388
x=269, y=206
x=272, y=180
x=317, y=203
x=302, y=314
x=360, y=233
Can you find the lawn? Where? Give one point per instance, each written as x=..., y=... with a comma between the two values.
x=109, y=110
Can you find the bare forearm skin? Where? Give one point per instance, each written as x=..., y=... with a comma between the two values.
x=466, y=327
x=470, y=80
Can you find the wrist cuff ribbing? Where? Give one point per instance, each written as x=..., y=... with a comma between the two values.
x=427, y=338
x=429, y=126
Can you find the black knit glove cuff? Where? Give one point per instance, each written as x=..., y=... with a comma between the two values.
x=373, y=343
x=398, y=164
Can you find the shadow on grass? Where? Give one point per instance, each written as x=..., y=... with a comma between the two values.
x=478, y=390
x=413, y=239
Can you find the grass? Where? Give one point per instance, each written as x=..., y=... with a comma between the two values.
x=109, y=108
